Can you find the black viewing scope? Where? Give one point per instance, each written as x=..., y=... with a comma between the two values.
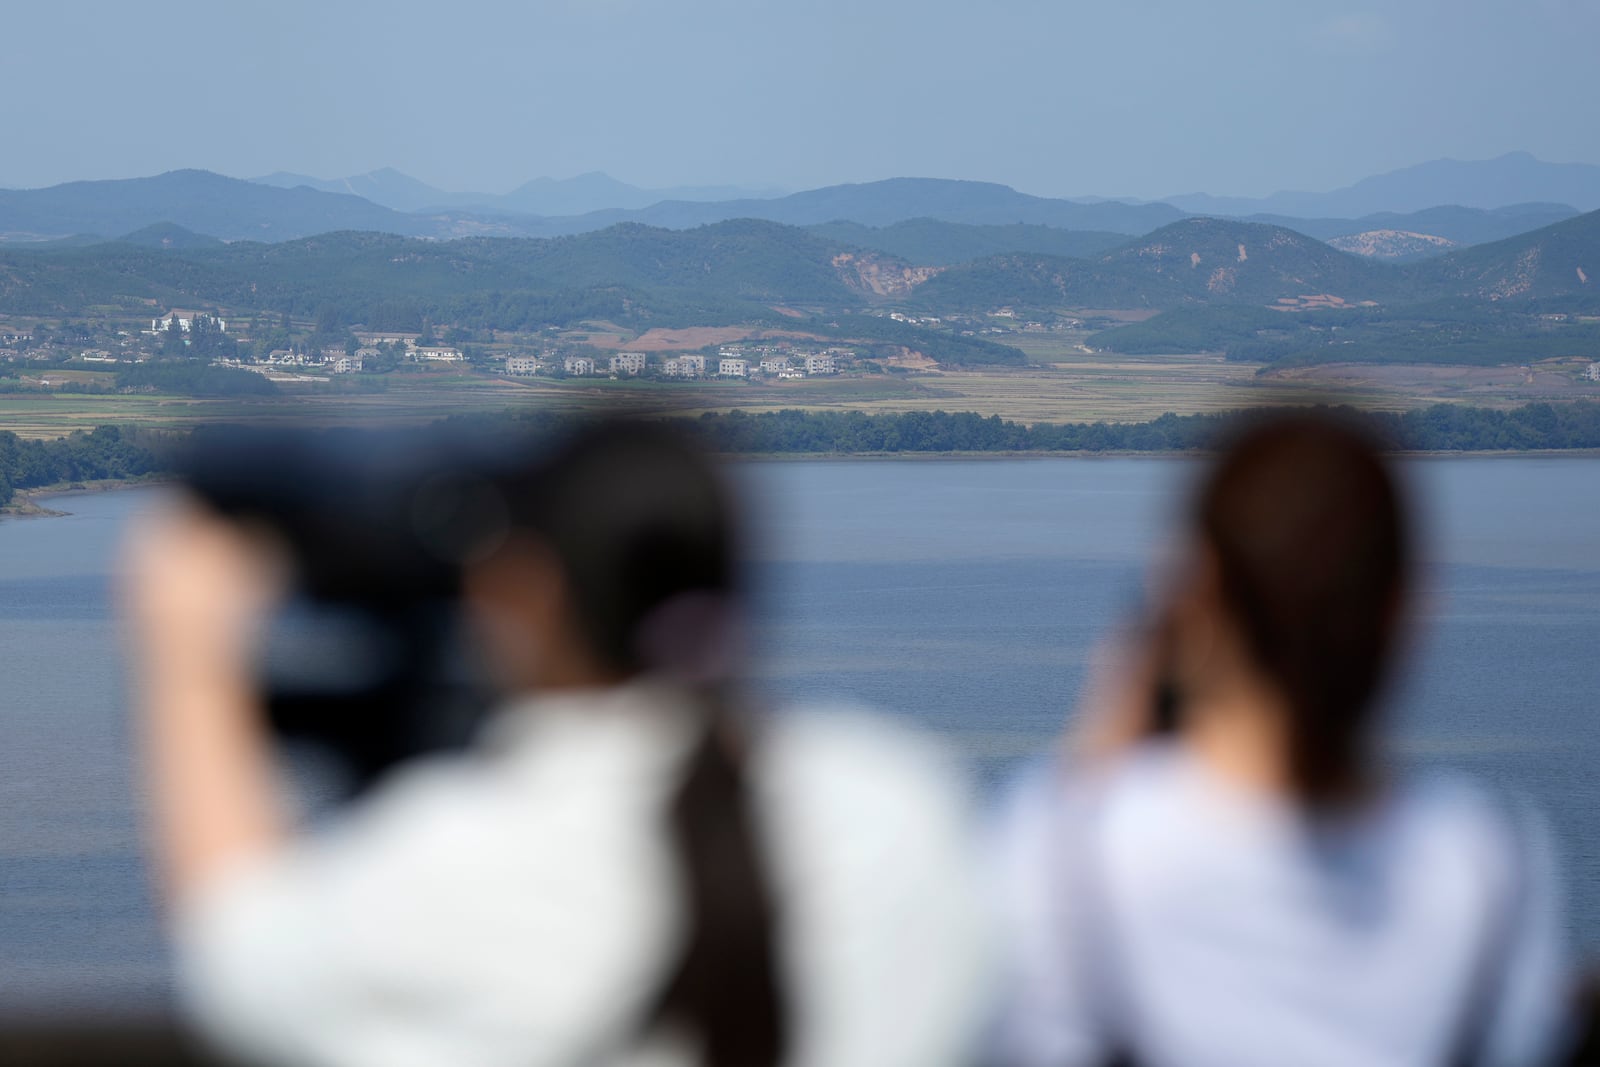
x=368, y=658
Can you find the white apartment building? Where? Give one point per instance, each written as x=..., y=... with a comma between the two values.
x=439, y=355
x=774, y=365
x=578, y=365
x=819, y=364
x=522, y=365
x=185, y=321
x=733, y=368
x=627, y=363
x=1593, y=373
x=692, y=366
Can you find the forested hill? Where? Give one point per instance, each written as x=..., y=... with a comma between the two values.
x=1203, y=261
x=734, y=268
x=1192, y=261
x=1556, y=261
x=750, y=269
x=937, y=243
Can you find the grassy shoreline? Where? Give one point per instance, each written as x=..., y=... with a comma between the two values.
x=26, y=502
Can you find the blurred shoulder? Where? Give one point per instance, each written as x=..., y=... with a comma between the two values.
x=1498, y=826
x=849, y=756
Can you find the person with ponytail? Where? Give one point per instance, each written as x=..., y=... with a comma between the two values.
x=630, y=868
x=1221, y=868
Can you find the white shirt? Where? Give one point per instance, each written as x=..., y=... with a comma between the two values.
x=520, y=905
x=1163, y=913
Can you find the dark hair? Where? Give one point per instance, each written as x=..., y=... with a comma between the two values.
x=1313, y=549
x=644, y=532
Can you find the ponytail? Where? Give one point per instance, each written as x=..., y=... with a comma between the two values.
x=644, y=532
x=726, y=989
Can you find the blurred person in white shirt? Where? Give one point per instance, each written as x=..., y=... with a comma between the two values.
x=629, y=869
x=1219, y=869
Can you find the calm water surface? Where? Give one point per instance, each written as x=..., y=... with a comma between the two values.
x=962, y=594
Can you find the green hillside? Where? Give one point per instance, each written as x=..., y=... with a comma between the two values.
x=935, y=243
x=1558, y=260
x=733, y=268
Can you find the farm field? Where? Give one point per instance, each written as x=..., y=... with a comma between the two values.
x=1067, y=385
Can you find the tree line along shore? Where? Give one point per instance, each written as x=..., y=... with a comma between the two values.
x=122, y=454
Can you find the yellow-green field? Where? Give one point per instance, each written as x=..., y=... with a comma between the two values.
x=1067, y=385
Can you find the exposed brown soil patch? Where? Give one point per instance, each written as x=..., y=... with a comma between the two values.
x=881, y=276
x=910, y=359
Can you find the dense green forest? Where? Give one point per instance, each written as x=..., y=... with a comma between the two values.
x=88, y=455
x=191, y=378
x=1441, y=427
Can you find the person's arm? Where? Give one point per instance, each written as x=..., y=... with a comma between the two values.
x=195, y=590
x=1117, y=708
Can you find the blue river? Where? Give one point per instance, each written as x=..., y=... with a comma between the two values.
x=964, y=595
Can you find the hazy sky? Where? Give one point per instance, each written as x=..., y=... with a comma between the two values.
x=1057, y=97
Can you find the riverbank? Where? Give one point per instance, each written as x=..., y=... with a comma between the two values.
x=26, y=503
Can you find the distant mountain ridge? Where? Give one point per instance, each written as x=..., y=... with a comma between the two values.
x=1458, y=225
x=199, y=201
x=893, y=200
x=1514, y=178
x=908, y=217
x=594, y=191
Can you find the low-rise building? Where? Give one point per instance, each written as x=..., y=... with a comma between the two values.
x=774, y=365
x=627, y=363
x=819, y=364
x=390, y=337
x=692, y=366
x=578, y=365
x=1593, y=373
x=432, y=354
x=522, y=365
x=184, y=321
x=790, y=374
x=733, y=368
x=343, y=364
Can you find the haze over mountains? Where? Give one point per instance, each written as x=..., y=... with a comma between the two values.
x=542, y=196
x=1413, y=213
x=1514, y=178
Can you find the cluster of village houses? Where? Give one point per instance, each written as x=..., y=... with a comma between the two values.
x=731, y=361
x=782, y=361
